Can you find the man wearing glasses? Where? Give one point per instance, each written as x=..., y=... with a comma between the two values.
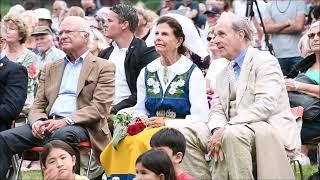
x=72, y=102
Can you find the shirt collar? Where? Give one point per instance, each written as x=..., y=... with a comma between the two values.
x=2, y=55
x=115, y=46
x=239, y=60
x=80, y=59
x=179, y=67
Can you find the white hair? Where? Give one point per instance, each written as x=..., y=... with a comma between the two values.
x=15, y=10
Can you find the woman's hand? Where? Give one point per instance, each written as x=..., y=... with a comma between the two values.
x=155, y=122
x=292, y=85
x=51, y=173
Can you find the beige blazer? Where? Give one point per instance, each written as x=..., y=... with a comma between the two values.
x=261, y=96
x=95, y=93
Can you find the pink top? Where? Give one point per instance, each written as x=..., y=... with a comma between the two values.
x=185, y=176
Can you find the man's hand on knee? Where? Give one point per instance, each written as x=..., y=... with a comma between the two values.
x=38, y=129
x=54, y=125
x=214, y=145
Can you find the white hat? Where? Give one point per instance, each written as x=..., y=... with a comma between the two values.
x=43, y=13
x=192, y=38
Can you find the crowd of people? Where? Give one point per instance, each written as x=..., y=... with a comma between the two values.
x=215, y=93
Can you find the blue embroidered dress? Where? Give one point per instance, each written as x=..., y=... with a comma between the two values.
x=181, y=100
x=174, y=102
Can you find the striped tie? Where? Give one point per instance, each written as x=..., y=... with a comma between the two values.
x=165, y=75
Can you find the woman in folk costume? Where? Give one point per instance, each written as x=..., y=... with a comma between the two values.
x=171, y=92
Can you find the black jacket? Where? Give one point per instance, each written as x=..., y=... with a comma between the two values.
x=13, y=91
x=302, y=66
x=137, y=57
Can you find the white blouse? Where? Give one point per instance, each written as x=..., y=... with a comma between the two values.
x=197, y=90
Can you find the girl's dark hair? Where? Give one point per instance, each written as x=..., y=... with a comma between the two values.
x=158, y=162
x=177, y=30
x=53, y=145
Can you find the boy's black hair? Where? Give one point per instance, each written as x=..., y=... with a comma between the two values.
x=170, y=138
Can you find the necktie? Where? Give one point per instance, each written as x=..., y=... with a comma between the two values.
x=165, y=75
x=232, y=75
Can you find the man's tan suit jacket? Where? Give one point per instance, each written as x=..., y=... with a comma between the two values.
x=95, y=92
x=261, y=96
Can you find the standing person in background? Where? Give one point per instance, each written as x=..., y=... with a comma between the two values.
x=59, y=11
x=127, y=52
x=192, y=11
x=44, y=42
x=284, y=20
x=89, y=7
x=16, y=33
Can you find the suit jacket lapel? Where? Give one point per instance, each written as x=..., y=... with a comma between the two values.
x=85, y=71
x=222, y=88
x=56, y=75
x=244, y=74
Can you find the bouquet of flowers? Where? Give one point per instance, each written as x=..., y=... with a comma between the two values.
x=125, y=124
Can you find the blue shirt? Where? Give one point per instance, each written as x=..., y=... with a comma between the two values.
x=66, y=102
x=238, y=63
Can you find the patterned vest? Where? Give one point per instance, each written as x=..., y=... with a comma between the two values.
x=174, y=102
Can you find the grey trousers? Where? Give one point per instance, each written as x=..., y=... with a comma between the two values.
x=19, y=139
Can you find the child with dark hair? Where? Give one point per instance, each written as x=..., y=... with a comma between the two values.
x=59, y=161
x=173, y=143
x=155, y=165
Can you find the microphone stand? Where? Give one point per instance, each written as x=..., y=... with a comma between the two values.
x=250, y=13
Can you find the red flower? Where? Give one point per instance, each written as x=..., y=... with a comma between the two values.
x=133, y=129
x=32, y=71
x=141, y=125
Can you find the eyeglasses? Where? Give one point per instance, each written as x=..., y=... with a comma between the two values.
x=312, y=35
x=210, y=38
x=67, y=32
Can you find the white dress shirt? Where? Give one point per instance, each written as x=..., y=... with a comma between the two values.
x=197, y=90
x=122, y=90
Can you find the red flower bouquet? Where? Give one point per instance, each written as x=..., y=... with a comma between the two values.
x=125, y=125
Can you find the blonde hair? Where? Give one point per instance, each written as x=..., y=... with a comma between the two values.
x=76, y=11
x=304, y=46
x=97, y=35
x=22, y=27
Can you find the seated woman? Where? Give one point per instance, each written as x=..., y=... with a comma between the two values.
x=59, y=161
x=171, y=92
x=311, y=67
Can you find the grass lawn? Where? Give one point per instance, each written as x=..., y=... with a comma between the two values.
x=307, y=171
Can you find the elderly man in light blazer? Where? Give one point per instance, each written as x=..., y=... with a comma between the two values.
x=250, y=119
x=72, y=102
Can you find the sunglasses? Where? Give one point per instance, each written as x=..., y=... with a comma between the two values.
x=312, y=35
x=209, y=38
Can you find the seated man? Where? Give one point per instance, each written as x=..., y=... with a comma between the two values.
x=13, y=90
x=127, y=52
x=72, y=102
x=250, y=119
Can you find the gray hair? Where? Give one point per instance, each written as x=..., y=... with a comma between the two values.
x=243, y=24
x=126, y=13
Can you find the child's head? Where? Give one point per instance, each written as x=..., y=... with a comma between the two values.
x=58, y=155
x=172, y=142
x=155, y=165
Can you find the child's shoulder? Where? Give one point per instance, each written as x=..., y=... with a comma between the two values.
x=185, y=176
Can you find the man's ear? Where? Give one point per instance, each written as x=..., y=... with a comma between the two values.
x=242, y=35
x=125, y=25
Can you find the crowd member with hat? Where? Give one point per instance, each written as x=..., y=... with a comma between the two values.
x=44, y=42
x=212, y=15
x=44, y=17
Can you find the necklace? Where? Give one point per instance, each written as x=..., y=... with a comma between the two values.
x=285, y=8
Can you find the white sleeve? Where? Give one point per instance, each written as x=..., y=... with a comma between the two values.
x=139, y=108
x=198, y=99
